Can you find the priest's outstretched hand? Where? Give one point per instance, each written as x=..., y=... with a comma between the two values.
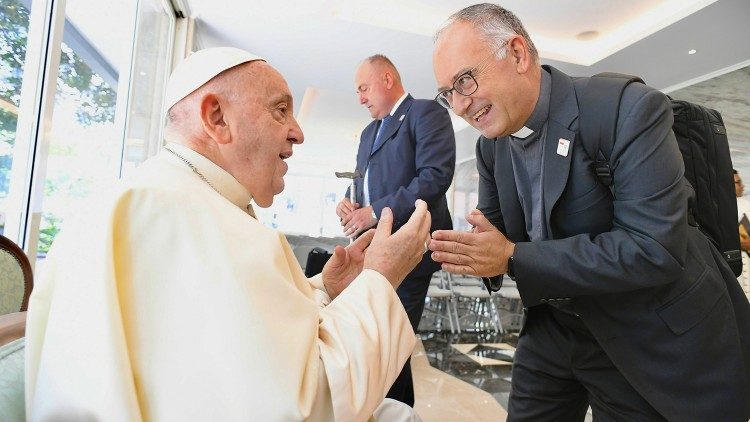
x=482, y=252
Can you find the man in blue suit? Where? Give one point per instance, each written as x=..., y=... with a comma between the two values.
x=407, y=153
x=631, y=310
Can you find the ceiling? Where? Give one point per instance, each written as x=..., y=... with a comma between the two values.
x=317, y=45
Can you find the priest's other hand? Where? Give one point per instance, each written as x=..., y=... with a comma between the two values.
x=358, y=221
x=482, y=252
x=395, y=255
x=344, y=207
x=345, y=264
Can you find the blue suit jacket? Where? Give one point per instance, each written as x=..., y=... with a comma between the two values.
x=659, y=299
x=416, y=161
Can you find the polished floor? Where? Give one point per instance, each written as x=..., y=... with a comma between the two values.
x=463, y=377
x=450, y=385
x=480, y=360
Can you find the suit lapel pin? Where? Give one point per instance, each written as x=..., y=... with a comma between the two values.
x=563, y=145
x=402, y=117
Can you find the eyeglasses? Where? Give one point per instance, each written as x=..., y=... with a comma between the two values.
x=466, y=83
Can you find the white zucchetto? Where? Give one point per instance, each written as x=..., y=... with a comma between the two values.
x=200, y=67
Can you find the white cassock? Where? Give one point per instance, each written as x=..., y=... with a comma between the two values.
x=168, y=302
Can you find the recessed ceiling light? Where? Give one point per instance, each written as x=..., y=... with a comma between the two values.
x=692, y=51
x=587, y=35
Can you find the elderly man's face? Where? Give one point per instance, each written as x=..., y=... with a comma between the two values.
x=372, y=90
x=263, y=130
x=493, y=107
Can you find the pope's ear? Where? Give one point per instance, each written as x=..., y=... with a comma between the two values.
x=213, y=119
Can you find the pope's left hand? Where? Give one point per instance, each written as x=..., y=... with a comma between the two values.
x=345, y=264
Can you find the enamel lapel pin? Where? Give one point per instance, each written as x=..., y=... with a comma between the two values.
x=563, y=145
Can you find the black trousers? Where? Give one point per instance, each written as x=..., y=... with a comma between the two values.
x=559, y=370
x=412, y=293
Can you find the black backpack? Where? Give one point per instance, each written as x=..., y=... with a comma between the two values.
x=703, y=143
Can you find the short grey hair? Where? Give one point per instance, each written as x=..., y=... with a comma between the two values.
x=382, y=60
x=496, y=24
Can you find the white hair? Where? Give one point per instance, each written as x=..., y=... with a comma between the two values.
x=496, y=24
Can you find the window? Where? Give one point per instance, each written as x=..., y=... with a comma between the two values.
x=14, y=27
x=151, y=66
x=84, y=143
x=69, y=99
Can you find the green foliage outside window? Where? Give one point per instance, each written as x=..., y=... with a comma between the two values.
x=50, y=227
x=96, y=101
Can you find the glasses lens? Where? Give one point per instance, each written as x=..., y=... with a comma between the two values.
x=442, y=100
x=465, y=84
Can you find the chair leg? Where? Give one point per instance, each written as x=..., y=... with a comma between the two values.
x=448, y=312
x=477, y=314
x=455, y=313
x=495, y=317
x=438, y=317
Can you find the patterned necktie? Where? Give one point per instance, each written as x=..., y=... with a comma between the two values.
x=378, y=138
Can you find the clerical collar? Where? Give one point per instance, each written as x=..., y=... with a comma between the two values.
x=522, y=133
x=541, y=109
x=218, y=178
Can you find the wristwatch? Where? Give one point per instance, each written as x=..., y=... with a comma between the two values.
x=494, y=283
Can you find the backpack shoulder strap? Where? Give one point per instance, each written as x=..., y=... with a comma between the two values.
x=599, y=107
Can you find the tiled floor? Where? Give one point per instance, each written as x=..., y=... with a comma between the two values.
x=463, y=377
x=441, y=396
x=481, y=360
x=478, y=357
x=466, y=376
